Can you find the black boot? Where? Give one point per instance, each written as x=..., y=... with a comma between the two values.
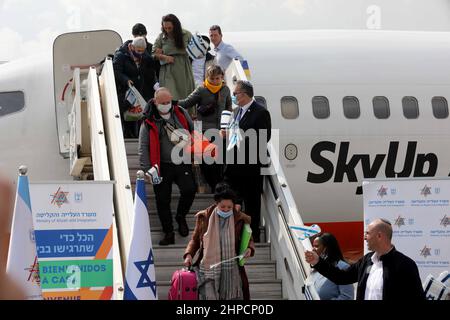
x=169, y=238
x=183, y=228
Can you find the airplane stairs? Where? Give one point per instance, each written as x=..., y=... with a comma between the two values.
x=261, y=269
x=278, y=269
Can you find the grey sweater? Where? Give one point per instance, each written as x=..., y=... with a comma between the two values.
x=166, y=145
x=202, y=96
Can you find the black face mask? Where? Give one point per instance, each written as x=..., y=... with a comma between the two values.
x=137, y=54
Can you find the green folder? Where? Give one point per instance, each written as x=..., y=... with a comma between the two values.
x=245, y=239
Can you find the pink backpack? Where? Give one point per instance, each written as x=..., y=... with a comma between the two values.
x=183, y=285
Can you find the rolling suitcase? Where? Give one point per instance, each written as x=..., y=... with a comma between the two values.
x=183, y=285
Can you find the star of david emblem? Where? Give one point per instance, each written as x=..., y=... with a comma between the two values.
x=425, y=191
x=382, y=191
x=399, y=221
x=59, y=197
x=144, y=280
x=445, y=221
x=425, y=252
x=34, y=272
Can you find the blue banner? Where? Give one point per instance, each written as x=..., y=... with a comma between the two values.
x=69, y=243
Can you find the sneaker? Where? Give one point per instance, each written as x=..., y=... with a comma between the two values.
x=169, y=238
x=183, y=228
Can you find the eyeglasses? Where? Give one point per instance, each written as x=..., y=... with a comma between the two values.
x=236, y=93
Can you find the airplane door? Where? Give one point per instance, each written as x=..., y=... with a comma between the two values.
x=76, y=50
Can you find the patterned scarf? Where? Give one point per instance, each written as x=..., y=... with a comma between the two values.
x=222, y=282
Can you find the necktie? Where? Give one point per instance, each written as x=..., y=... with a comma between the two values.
x=238, y=117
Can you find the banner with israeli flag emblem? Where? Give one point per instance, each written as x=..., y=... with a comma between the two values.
x=140, y=282
x=22, y=265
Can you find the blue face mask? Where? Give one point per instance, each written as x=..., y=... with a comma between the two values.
x=224, y=214
x=234, y=100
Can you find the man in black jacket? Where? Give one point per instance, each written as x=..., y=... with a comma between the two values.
x=243, y=164
x=383, y=274
x=135, y=65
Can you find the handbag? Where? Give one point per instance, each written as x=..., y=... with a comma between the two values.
x=176, y=136
x=137, y=102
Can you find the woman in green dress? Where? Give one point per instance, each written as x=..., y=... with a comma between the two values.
x=170, y=49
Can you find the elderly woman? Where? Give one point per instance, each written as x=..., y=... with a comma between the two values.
x=130, y=69
x=211, y=98
x=217, y=238
x=170, y=49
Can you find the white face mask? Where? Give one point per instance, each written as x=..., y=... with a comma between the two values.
x=164, y=108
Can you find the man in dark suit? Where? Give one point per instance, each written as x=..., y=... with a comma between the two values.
x=243, y=164
x=383, y=274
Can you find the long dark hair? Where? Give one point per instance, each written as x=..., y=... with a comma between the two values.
x=177, y=30
x=333, y=251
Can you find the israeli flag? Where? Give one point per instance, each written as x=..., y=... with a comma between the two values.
x=304, y=232
x=22, y=265
x=140, y=282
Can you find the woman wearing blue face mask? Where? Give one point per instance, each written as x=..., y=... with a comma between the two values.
x=216, y=239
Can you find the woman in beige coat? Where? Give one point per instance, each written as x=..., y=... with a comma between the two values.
x=217, y=238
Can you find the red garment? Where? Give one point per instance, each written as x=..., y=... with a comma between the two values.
x=155, y=147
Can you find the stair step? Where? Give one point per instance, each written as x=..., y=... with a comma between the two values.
x=197, y=205
x=155, y=223
x=157, y=234
x=132, y=146
x=174, y=253
x=175, y=189
x=259, y=289
x=255, y=270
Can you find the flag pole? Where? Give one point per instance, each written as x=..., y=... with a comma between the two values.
x=22, y=264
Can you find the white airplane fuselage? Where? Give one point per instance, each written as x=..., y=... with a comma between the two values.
x=335, y=154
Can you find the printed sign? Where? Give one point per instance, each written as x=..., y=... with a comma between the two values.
x=419, y=211
x=73, y=231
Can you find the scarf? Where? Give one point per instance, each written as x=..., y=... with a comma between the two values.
x=212, y=88
x=222, y=282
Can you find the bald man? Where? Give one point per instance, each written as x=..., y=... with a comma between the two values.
x=383, y=274
x=157, y=145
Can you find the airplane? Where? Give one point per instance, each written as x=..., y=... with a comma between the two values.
x=349, y=105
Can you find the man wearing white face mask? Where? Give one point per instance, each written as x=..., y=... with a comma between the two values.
x=156, y=142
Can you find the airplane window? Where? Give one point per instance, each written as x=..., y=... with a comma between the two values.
x=321, y=107
x=351, y=107
x=381, y=107
x=410, y=107
x=440, y=107
x=289, y=108
x=11, y=102
x=261, y=100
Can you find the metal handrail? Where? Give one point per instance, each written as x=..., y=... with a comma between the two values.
x=123, y=197
x=102, y=169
